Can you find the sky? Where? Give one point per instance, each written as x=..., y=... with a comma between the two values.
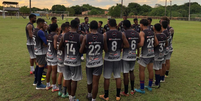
x=105, y=4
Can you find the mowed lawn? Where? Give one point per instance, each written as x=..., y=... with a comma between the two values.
x=183, y=84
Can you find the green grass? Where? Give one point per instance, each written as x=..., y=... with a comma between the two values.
x=183, y=83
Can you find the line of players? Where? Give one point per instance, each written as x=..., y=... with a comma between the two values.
x=62, y=51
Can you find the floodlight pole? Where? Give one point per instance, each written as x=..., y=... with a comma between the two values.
x=165, y=6
x=30, y=6
x=189, y=15
x=121, y=8
x=170, y=9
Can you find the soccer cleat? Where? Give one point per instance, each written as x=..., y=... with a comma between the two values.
x=43, y=76
x=55, y=90
x=140, y=91
x=59, y=93
x=124, y=94
x=132, y=92
x=41, y=86
x=42, y=79
x=118, y=98
x=166, y=76
x=82, y=58
x=34, y=84
x=31, y=72
x=65, y=96
x=89, y=98
x=148, y=88
x=162, y=81
x=47, y=88
x=102, y=97
x=155, y=86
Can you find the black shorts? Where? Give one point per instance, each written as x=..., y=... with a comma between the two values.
x=41, y=60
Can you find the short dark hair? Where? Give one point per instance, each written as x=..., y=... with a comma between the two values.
x=53, y=18
x=31, y=16
x=101, y=22
x=77, y=19
x=125, y=15
x=85, y=18
x=53, y=27
x=74, y=24
x=93, y=24
x=166, y=19
x=108, y=18
x=135, y=19
x=64, y=25
x=164, y=24
x=67, y=23
x=39, y=20
x=157, y=27
x=150, y=19
x=127, y=23
x=144, y=22
x=112, y=23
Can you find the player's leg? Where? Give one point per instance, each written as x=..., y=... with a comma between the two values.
x=49, y=70
x=54, y=77
x=89, y=72
x=60, y=71
x=132, y=77
x=125, y=70
x=117, y=76
x=162, y=76
x=36, y=71
x=107, y=75
x=151, y=73
x=156, y=67
x=168, y=64
x=41, y=62
x=96, y=77
x=76, y=76
x=32, y=58
x=66, y=82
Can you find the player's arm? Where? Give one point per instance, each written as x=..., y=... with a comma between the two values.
x=55, y=41
x=119, y=25
x=83, y=45
x=61, y=44
x=155, y=41
x=172, y=32
x=29, y=28
x=42, y=37
x=141, y=43
x=105, y=42
x=125, y=41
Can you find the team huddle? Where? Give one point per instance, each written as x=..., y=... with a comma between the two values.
x=62, y=49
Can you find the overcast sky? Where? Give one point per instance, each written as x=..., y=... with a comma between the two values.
x=98, y=3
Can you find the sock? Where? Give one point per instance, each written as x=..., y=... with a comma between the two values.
x=126, y=89
x=93, y=100
x=54, y=86
x=132, y=85
x=106, y=93
x=157, y=77
x=142, y=85
x=36, y=71
x=48, y=84
x=70, y=97
x=60, y=87
x=118, y=92
x=32, y=68
x=89, y=95
x=64, y=90
x=167, y=72
x=39, y=75
x=162, y=77
x=150, y=82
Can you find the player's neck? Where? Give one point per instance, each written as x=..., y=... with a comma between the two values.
x=163, y=29
x=31, y=22
x=158, y=32
x=86, y=22
x=93, y=31
x=113, y=28
x=73, y=30
x=145, y=27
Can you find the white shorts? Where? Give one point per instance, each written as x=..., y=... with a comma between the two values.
x=157, y=65
x=145, y=61
x=31, y=51
x=112, y=67
x=49, y=63
x=60, y=68
x=168, y=56
x=127, y=66
x=72, y=73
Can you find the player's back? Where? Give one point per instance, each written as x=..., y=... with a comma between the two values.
x=51, y=52
x=60, y=56
x=122, y=26
x=160, y=49
x=29, y=40
x=71, y=50
x=171, y=38
x=94, y=50
x=129, y=54
x=148, y=47
x=39, y=48
x=114, y=43
x=168, y=38
x=136, y=27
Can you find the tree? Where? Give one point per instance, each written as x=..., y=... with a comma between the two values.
x=1, y=7
x=71, y=11
x=58, y=8
x=93, y=12
x=158, y=11
x=145, y=9
x=34, y=9
x=24, y=9
x=115, y=11
x=77, y=9
x=134, y=7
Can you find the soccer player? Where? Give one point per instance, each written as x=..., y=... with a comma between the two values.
x=164, y=25
x=54, y=21
x=100, y=28
x=150, y=26
x=60, y=59
x=30, y=43
x=106, y=27
x=95, y=43
x=159, y=54
x=70, y=42
x=85, y=26
x=147, y=41
x=120, y=25
x=40, y=52
x=79, y=28
x=52, y=59
x=112, y=59
x=136, y=26
x=129, y=57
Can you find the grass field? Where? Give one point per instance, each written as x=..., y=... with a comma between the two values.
x=183, y=84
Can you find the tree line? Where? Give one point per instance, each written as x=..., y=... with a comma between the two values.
x=132, y=9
